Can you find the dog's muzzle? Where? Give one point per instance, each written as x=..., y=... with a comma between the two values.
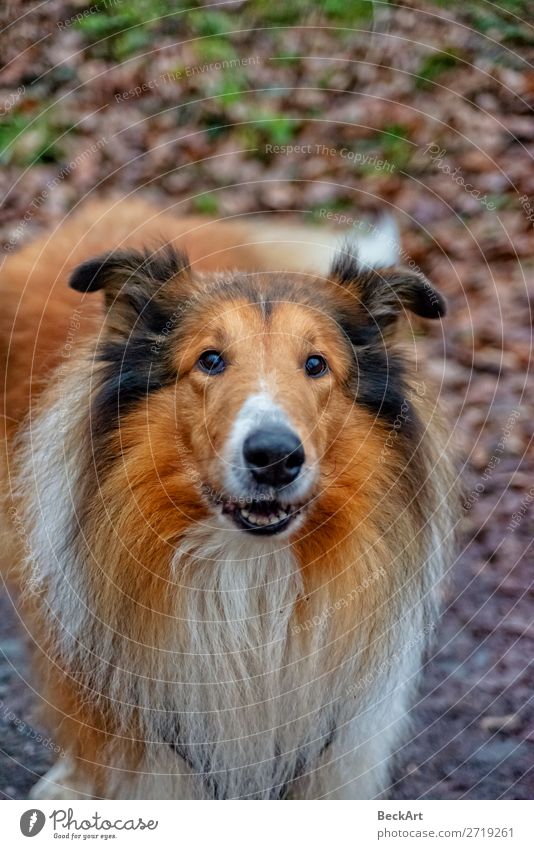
x=268, y=478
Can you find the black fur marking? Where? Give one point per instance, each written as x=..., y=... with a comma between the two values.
x=345, y=268
x=417, y=294
x=157, y=266
x=277, y=792
x=90, y=276
x=377, y=376
x=377, y=379
x=135, y=353
x=206, y=777
x=131, y=372
x=377, y=382
x=301, y=766
x=386, y=294
x=360, y=333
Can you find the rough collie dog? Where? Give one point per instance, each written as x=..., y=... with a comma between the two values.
x=229, y=497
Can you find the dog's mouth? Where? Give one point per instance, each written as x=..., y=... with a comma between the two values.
x=263, y=517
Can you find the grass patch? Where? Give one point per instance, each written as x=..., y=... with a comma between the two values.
x=349, y=13
x=229, y=89
x=395, y=144
x=285, y=13
x=435, y=65
x=206, y=204
x=508, y=21
x=276, y=129
x=263, y=130
x=120, y=31
x=317, y=211
x=209, y=22
x=25, y=141
x=215, y=49
x=278, y=12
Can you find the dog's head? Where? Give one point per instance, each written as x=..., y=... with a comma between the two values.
x=248, y=400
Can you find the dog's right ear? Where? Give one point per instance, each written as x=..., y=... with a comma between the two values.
x=94, y=274
x=134, y=284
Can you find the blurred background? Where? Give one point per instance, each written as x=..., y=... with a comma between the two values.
x=327, y=111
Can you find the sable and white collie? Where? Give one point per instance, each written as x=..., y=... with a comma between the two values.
x=229, y=499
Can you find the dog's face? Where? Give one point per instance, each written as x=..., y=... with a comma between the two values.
x=263, y=388
x=260, y=384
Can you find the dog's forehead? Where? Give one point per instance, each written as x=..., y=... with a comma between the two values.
x=264, y=303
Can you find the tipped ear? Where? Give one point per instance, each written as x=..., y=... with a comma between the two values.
x=409, y=289
x=118, y=268
x=133, y=283
x=93, y=274
x=385, y=293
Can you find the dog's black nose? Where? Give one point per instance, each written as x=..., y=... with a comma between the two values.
x=274, y=455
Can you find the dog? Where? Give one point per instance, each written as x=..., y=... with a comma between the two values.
x=229, y=502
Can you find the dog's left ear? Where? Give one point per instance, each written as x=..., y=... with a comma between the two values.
x=384, y=293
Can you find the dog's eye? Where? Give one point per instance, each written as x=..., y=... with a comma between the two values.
x=316, y=366
x=211, y=362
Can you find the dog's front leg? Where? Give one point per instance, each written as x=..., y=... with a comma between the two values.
x=358, y=763
x=65, y=780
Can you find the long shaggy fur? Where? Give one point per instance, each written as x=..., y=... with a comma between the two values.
x=183, y=659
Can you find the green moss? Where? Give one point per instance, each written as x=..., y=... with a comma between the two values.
x=508, y=21
x=215, y=49
x=349, y=13
x=130, y=42
x=341, y=204
x=206, y=204
x=229, y=89
x=435, y=65
x=209, y=22
x=263, y=130
x=26, y=141
x=278, y=12
x=121, y=30
x=101, y=25
x=216, y=126
x=287, y=58
x=276, y=129
x=395, y=144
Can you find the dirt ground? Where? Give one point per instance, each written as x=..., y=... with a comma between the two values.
x=327, y=110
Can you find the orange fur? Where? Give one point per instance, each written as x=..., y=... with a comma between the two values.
x=375, y=517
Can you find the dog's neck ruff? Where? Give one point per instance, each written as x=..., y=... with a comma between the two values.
x=244, y=727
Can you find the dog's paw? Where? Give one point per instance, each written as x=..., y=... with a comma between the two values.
x=62, y=781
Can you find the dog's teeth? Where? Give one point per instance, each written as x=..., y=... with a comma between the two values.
x=261, y=519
